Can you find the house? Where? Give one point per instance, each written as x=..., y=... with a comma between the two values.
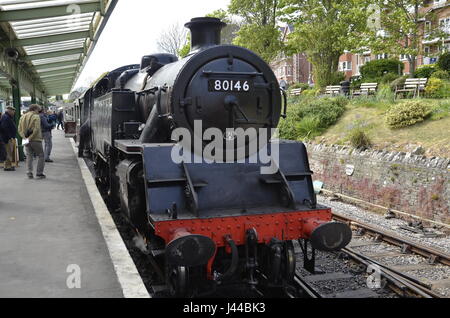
x=297, y=69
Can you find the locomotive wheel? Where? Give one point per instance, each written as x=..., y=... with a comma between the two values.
x=289, y=262
x=281, y=269
x=178, y=281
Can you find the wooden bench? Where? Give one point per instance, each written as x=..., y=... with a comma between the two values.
x=366, y=89
x=412, y=85
x=296, y=92
x=333, y=90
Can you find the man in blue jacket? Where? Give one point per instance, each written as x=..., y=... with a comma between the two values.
x=8, y=134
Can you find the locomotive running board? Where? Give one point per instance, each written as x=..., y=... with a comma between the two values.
x=211, y=190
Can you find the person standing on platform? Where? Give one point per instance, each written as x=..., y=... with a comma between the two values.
x=8, y=132
x=46, y=135
x=52, y=118
x=60, y=118
x=30, y=129
x=2, y=145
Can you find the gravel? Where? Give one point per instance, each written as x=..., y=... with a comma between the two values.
x=439, y=272
x=390, y=225
x=336, y=262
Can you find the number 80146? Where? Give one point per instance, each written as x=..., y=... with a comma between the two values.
x=220, y=85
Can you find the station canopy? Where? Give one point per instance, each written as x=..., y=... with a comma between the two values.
x=46, y=43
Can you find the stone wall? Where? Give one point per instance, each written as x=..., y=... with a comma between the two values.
x=410, y=183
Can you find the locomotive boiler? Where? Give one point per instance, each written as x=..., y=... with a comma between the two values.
x=205, y=222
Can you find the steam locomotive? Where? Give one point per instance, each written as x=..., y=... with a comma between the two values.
x=205, y=222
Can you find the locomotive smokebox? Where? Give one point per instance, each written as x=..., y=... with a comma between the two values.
x=205, y=32
x=187, y=249
x=327, y=236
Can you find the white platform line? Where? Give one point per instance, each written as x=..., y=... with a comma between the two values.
x=126, y=271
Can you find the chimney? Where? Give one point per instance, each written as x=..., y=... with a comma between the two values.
x=205, y=32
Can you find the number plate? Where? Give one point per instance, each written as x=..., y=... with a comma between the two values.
x=228, y=85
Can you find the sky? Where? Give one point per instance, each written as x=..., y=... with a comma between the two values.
x=133, y=29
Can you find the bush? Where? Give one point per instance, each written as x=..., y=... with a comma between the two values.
x=311, y=92
x=424, y=71
x=444, y=62
x=359, y=139
x=326, y=110
x=385, y=93
x=388, y=78
x=398, y=82
x=437, y=88
x=378, y=68
x=337, y=78
x=307, y=128
x=441, y=74
x=310, y=117
x=407, y=113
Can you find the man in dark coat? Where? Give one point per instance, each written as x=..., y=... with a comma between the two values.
x=60, y=119
x=46, y=134
x=2, y=145
x=8, y=133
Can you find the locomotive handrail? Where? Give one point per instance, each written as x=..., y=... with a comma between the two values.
x=284, y=115
x=252, y=74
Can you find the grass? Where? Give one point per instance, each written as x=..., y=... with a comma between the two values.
x=370, y=114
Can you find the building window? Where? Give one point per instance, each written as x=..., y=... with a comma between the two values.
x=427, y=26
x=445, y=24
x=404, y=57
x=426, y=50
x=345, y=66
x=445, y=48
x=382, y=56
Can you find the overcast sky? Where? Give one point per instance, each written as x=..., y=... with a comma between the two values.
x=133, y=29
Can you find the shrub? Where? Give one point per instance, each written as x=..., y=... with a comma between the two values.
x=425, y=71
x=310, y=117
x=311, y=92
x=441, y=74
x=407, y=113
x=398, y=82
x=337, y=78
x=385, y=93
x=359, y=139
x=307, y=128
x=388, y=78
x=356, y=84
x=444, y=62
x=326, y=110
x=437, y=88
x=378, y=68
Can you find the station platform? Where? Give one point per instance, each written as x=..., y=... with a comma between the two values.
x=48, y=229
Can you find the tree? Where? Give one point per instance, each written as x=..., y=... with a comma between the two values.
x=259, y=31
x=228, y=32
x=324, y=29
x=402, y=29
x=172, y=39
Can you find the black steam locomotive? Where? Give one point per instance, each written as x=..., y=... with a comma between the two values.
x=205, y=222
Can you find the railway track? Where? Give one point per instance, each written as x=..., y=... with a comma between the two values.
x=433, y=255
x=401, y=264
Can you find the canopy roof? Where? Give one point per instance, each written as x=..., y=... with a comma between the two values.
x=54, y=39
